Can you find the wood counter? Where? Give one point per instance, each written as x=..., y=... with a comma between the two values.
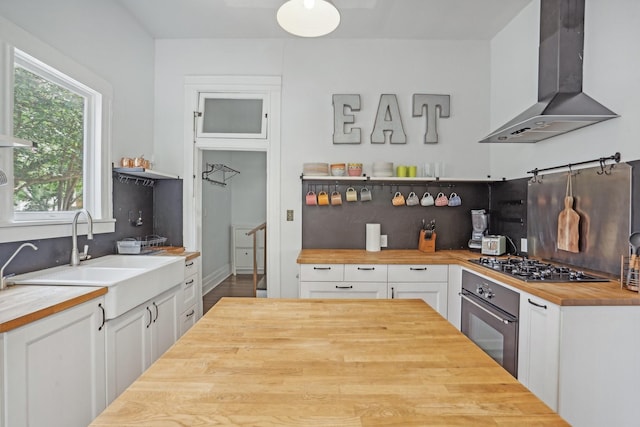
x=566, y=294
x=307, y=363
x=20, y=305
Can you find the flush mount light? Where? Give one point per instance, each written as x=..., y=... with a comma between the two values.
x=308, y=18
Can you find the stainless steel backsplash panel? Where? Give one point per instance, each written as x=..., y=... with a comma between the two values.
x=604, y=205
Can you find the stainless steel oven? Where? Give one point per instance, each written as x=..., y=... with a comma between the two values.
x=490, y=319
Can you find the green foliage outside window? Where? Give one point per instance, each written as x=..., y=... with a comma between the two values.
x=49, y=177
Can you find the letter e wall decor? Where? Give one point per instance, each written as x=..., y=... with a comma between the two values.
x=341, y=119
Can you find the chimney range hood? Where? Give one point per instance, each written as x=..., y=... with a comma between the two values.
x=562, y=106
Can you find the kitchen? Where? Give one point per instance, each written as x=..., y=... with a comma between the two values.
x=487, y=87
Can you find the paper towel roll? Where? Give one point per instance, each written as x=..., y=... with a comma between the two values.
x=373, y=237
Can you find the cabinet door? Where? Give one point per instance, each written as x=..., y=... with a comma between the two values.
x=538, y=350
x=55, y=369
x=434, y=294
x=343, y=290
x=165, y=327
x=128, y=348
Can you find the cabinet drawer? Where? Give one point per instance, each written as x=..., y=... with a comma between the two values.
x=418, y=273
x=244, y=241
x=191, y=267
x=322, y=272
x=187, y=319
x=337, y=290
x=189, y=291
x=365, y=273
x=244, y=258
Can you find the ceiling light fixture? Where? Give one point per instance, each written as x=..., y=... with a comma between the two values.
x=308, y=18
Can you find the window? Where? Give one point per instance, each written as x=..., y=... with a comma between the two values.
x=232, y=115
x=52, y=110
x=64, y=109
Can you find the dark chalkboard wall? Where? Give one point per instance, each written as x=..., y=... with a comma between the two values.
x=343, y=226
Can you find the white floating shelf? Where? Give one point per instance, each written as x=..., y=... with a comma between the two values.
x=145, y=173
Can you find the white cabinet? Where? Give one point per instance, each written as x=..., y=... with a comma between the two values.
x=54, y=369
x=343, y=281
x=242, y=249
x=427, y=282
x=191, y=308
x=538, y=348
x=137, y=338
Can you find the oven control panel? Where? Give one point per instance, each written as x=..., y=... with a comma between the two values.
x=484, y=291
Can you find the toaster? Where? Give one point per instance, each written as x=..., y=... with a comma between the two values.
x=494, y=245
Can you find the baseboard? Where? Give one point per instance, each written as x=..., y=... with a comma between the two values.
x=215, y=278
x=248, y=271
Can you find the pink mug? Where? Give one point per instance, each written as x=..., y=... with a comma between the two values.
x=311, y=198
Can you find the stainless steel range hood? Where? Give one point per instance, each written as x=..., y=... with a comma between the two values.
x=562, y=106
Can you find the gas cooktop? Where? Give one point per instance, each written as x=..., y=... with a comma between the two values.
x=530, y=270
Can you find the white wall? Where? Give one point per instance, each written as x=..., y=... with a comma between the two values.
x=216, y=219
x=611, y=64
x=103, y=38
x=312, y=71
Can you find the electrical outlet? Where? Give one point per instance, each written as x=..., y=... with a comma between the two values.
x=289, y=214
x=383, y=240
x=523, y=245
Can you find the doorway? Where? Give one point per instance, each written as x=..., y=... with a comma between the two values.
x=233, y=196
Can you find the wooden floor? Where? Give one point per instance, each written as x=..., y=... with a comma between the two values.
x=240, y=285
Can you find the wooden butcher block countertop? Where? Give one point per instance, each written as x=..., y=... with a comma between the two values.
x=274, y=362
x=20, y=305
x=565, y=294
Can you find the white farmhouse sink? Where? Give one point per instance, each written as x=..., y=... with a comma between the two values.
x=131, y=280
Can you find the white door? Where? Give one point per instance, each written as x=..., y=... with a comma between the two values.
x=165, y=326
x=56, y=369
x=129, y=348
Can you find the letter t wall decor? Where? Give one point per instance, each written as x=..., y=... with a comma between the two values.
x=431, y=103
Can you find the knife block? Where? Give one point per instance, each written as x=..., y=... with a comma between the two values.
x=427, y=245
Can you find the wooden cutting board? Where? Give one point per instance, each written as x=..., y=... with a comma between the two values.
x=568, y=227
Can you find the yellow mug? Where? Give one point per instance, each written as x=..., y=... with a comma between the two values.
x=323, y=198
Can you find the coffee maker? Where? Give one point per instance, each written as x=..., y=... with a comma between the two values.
x=479, y=221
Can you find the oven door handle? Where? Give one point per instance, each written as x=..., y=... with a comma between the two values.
x=505, y=321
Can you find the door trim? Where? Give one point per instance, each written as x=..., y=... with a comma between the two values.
x=194, y=147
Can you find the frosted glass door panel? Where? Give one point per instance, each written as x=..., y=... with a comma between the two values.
x=232, y=116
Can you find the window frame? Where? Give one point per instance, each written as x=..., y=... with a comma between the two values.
x=92, y=140
x=97, y=185
x=233, y=95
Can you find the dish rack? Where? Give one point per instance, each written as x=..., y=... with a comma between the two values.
x=139, y=245
x=629, y=275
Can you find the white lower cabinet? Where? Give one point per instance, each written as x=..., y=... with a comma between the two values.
x=343, y=281
x=137, y=338
x=427, y=282
x=539, y=347
x=53, y=369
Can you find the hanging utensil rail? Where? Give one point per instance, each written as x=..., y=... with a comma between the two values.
x=601, y=160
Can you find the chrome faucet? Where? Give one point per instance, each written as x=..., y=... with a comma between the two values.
x=3, y=283
x=76, y=257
